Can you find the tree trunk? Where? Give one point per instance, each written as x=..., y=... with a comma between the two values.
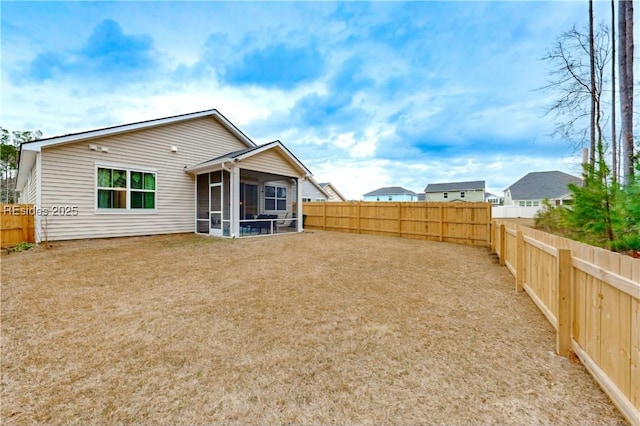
x=625, y=63
x=592, y=62
x=614, y=139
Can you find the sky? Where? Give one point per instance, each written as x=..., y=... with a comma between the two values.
x=365, y=94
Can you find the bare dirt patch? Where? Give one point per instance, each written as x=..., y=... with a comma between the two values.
x=313, y=328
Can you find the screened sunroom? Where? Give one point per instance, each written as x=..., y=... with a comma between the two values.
x=252, y=192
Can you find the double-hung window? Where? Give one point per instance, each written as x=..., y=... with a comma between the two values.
x=275, y=197
x=125, y=189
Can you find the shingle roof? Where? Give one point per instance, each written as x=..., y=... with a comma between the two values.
x=455, y=186
x=541, y=185
x=390, y=190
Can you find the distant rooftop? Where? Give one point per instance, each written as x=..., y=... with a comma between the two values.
x=541, y=185
x=456, y=186
x=390, y=190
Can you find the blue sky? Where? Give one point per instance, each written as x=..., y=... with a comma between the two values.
x=365, y=94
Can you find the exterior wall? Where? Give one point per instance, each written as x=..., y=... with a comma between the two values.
x=310, y=191
x=28, y=194
x=69, y=179
x=392, y=197
x=269, y=162
x=333, y=195
x=508, y=201
x=474, y=195
x=291, y=196
x=514, y=211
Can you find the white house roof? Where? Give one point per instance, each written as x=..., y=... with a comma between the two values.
x=235, y=156
x=28, y=150
x=456, y=186
x=541, y=185
x=390, y=190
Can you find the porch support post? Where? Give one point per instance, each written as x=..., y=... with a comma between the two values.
x=299, y=204
x=235, y=201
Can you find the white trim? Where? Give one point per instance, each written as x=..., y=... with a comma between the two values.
x=27, y=160
x=128, y=210
x=212, y=164
x=38, y=204
x=110, y=131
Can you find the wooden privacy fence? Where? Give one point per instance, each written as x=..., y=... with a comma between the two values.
x=591, y=296
x=465, y=223
x=16, y=224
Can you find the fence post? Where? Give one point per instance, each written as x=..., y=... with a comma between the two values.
x=324, y=216
x=441, y=224
x=489, y=237
x=359, y=216
x=399, y=219
x=502, y=244
x=563, y=336
x=492, y=231
x=519, y=260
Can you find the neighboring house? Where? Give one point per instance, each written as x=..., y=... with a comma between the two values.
x=391, y=193
x=530, y=190
x=491, y=198
x=334, y=194
x=472, y=191
x=313, y=191
x=524, y=197
x=194, y=172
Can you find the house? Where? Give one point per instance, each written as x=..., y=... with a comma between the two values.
x=472, y=191
x=334, y=194
x=391, y=193
x=531, y=189
x=194, y=172
x=491, y=198
x=314, y=191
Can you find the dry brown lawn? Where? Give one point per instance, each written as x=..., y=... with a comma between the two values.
x=313, y=328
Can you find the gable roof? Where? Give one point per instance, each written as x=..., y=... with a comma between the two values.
x=28, y=150
x=541, y=185
x=390, y=190
x=455, y=186
x=318, y=186
x=326, y=185
x=240, y=155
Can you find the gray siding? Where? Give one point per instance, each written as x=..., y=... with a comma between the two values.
x=69, y=177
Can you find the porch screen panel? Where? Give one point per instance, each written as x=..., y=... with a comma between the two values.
x=203, y=203
x=226, y=199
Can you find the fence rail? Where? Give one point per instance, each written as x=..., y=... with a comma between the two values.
x=465, y=223
x=591, y=296
x=16, y=224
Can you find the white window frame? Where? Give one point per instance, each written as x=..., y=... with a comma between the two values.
x=462, y=193
x=275, y=198
x=127, y=210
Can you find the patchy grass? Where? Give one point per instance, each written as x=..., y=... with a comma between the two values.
x=313, y=328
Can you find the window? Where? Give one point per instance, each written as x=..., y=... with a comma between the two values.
x=529, y=203
x=306, y=200
x=445, y=195
x=125, y=189
x=461, y=194
x=275, y=197
x=536, y=204
x=521, y=203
